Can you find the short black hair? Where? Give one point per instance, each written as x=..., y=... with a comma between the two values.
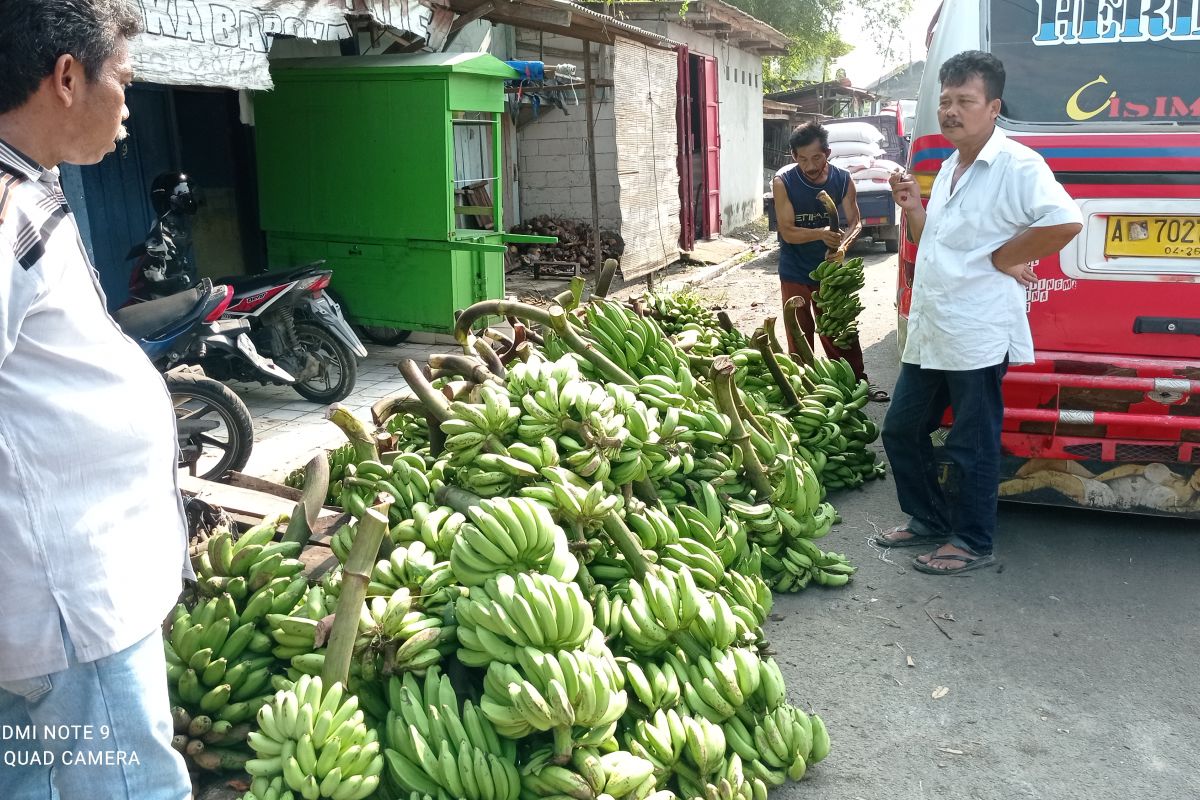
x=960, y=68
x=808, y=133
x=34, y=34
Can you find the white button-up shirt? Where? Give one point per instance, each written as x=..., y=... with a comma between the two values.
x=91, y=525
x=965, y=313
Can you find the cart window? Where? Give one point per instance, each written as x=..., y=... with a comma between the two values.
x=475, y=182
x=1098, y=61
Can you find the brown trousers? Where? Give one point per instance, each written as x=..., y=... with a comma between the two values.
x=804, y=315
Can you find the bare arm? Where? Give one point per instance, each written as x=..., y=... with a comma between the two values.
x=908, y=196
x=785, y=218
x=1014, y=256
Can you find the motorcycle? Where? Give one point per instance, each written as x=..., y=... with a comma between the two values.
x=213, y=425
x=291, y=317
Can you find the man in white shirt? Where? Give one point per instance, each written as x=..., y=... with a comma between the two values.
x=994, y=209
x=93, y=545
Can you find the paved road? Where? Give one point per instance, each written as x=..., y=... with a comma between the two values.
x=1069, y=670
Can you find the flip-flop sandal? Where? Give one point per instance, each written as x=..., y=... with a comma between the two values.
x=968, y=563
x=916, y=540
x=877, y=395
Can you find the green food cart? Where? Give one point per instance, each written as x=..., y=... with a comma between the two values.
x=380, y=166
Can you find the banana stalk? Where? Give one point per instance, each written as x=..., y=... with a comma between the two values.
x=356, y=574
x=356, y=432
x=739, y=402
x=562, y=326
x=569, y=298
x=400, y=403
x=312, y=497
x=459, y=499
x=496, y=308
x=625, y=541
x=763, y=342
x=605, y=278
x=530, y=334
x=489, y=357
x=436, y=404
x=467, y=366
x=792, y=324
x=723, y=388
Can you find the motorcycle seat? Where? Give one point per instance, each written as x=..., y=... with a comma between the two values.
x=153, y=318
x=249, y=284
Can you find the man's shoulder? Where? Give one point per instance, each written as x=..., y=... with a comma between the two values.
x=785, y=170
x=1021, y=155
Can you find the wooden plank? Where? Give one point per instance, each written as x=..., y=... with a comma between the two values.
x=248, y=506
x=317, y=561
x=245, y=481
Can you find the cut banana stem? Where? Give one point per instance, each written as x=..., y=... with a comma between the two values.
x=627, y=543
x=434, y=401
x=723, y=370
x=497, y=308
x=459, y=499
x=791, y=323
x=604, y=280
x=763, y=342
x=356, y=432
x=356, y=575
x=469, y=367
x=490, y=358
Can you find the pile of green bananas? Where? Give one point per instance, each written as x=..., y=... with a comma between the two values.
x=316, y=739
x=219, y=668
x=837, y=299
x=834, y=432
x=405, y=480
x=436, y=749
x=339, y=458
x=244, y=566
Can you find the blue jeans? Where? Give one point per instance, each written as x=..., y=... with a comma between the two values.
x=100, y=729
x=964, y=510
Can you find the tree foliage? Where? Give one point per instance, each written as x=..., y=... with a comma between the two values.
x=818, y=35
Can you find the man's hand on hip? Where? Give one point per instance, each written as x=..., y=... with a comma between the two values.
x=1023, y=273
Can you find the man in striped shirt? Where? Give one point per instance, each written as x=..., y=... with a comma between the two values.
x=92, y=536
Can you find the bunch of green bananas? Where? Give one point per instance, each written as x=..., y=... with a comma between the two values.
x=778, y=744
x=577, y=695
x=243, y=567
x=406, y=480
x=436, y=527
x=652, y=684
x=410, y=431
x=339, y=458
x=676, y=310
x=634, y=343
x=210, y=744
x=435, y=749
x=316, y=739
x=218, y=673
x=403, y=633
x=718, y=683
x=510, y=535
x=590, y=775
x=645, y=616
x=572, y=500
x=580, y=417
x=476, y=427
x=528, y=610
x=837, y=299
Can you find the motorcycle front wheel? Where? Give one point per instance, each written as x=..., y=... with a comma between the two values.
x=338, y=370
x=216, y=434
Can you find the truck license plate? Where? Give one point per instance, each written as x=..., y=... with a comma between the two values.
x=1153, y=237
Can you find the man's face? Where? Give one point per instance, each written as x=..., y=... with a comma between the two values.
x=812, y=159
x=964, y=112
x=99, y=109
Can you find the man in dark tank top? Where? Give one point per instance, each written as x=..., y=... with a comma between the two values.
x=805, y=235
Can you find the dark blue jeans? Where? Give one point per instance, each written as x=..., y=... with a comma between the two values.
x=965, y=508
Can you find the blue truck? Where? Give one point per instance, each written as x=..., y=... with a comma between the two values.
x=880, y=219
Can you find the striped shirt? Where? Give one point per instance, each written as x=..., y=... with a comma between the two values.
x=92, y=532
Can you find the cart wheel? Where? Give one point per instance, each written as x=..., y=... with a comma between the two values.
x=388, y=337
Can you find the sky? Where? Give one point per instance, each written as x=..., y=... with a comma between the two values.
x=864, y=65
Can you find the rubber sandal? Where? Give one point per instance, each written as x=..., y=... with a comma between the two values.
x=916, y=540
x=877, y=395
x=968, y=563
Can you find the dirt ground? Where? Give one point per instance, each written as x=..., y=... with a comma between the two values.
x=1064, y=673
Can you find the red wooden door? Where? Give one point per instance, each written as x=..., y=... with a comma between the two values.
x=683, y=126
x=710, y=144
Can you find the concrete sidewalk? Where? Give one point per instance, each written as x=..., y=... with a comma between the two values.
x=288, y=429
